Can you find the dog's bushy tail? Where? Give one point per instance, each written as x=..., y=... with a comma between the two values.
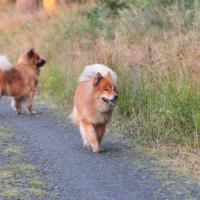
x=73, y=116
x=5, y=63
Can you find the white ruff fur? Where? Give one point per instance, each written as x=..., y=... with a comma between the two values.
x=5, y=64
x=91, y=70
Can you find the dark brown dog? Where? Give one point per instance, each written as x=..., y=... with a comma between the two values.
x=20, y=80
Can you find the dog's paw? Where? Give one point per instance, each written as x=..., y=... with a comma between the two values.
x=31, y=113
x=18, y=111
x=86, y=146
x=96, y=150
x=34, y=114
x=102, y=150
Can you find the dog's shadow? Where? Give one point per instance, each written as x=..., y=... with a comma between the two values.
x=11, y=115
x=112, y=148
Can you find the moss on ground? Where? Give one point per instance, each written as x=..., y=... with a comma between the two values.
x=18, y=179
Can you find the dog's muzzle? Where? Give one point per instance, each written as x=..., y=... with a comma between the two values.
x=110, y=102
x=41, y=63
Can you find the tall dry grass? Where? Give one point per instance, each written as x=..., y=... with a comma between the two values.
x=158, y=68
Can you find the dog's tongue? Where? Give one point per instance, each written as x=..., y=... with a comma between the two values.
x=111, y=102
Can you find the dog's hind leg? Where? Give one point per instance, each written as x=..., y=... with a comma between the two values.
x=16, y=104
x=89, y=135
x=28, y=104
x=13, y=104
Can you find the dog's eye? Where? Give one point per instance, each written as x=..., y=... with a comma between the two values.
x=106, y=89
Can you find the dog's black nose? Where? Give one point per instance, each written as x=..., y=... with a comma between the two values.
x=115, y=97
x=41, y=63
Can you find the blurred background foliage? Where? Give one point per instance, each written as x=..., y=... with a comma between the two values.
x=153, y=45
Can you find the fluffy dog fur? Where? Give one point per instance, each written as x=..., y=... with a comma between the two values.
x=20, y=80
x=94, y=101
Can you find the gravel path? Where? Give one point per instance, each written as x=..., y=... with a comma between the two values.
x=73, y=173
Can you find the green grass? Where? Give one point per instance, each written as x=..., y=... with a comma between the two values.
x=38, y=192
x=5, y=174
x=12, y=193
x=13, y=150
x=55, y=88
x=17, y=178
x=162, y=112
x=3, y=134
x=25, y=169
x=155, y=57
x=37, y=184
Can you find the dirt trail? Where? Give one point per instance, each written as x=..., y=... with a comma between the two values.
x=76, y=174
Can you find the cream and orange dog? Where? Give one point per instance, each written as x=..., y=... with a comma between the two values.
x=20, y=80
x=94, y=101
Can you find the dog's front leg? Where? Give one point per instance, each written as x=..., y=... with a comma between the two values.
x=29, y=107
x=100, y=129
x=29, y=104
x=89, y=133
x=30, y=110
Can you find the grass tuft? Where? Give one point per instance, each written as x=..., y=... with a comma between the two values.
x=13, y=150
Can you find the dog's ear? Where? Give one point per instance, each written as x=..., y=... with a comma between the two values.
x=30, y=53
x=109, y=76
x=97, y=79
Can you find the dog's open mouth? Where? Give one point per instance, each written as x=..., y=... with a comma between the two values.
x=110, y=102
